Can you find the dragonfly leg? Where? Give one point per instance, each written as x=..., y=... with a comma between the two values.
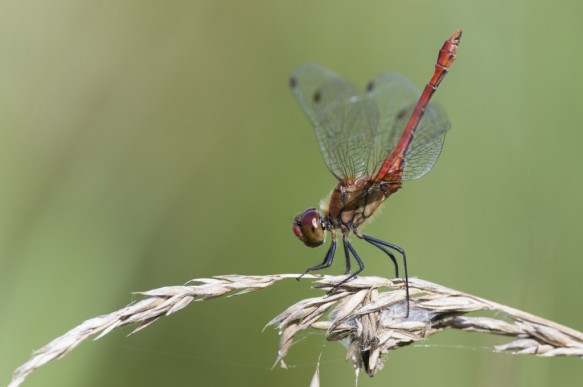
x=348, y=248
x=389, y=253
x=380, y=244
x=327, y=260
x=347, y=256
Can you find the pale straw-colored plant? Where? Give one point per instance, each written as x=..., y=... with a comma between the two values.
x=367, y=314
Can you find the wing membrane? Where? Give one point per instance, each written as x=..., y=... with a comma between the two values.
x=345, y=120
x=427, y=143
x=396, y=97
x=357, y=131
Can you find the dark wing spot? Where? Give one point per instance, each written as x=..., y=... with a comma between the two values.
x=370, y=86
x=317, y=97
x=293, y=82
x=401, y=114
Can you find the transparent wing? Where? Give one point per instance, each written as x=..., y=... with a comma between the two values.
x=345, y=120
x=396, y=98
x=427, y=143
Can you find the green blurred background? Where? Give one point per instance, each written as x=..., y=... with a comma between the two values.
x=145, y=143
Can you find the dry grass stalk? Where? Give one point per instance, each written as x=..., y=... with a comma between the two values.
x=370, y=321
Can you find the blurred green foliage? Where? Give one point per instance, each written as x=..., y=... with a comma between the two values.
x=145, y=143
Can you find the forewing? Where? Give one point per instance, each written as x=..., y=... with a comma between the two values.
x=395, y=97
x=345, y=120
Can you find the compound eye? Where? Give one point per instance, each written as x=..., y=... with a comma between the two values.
x=308, y=228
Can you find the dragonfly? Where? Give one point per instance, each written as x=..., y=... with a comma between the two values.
x=371, y=141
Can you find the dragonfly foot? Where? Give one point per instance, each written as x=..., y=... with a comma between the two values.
x=300, y=277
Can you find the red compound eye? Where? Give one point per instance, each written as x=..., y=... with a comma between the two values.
x=308, y=228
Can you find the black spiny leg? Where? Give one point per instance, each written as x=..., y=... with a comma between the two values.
x=348, y=248
x=380, y=244
x=390, y=254
x=347, y=255
x=327, y=260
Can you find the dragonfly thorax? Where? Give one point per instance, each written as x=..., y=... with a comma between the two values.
x=350, y=205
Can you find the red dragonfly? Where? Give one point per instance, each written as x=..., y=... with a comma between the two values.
x=371, y=141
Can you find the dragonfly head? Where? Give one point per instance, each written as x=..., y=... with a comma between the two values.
x=308, y=228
